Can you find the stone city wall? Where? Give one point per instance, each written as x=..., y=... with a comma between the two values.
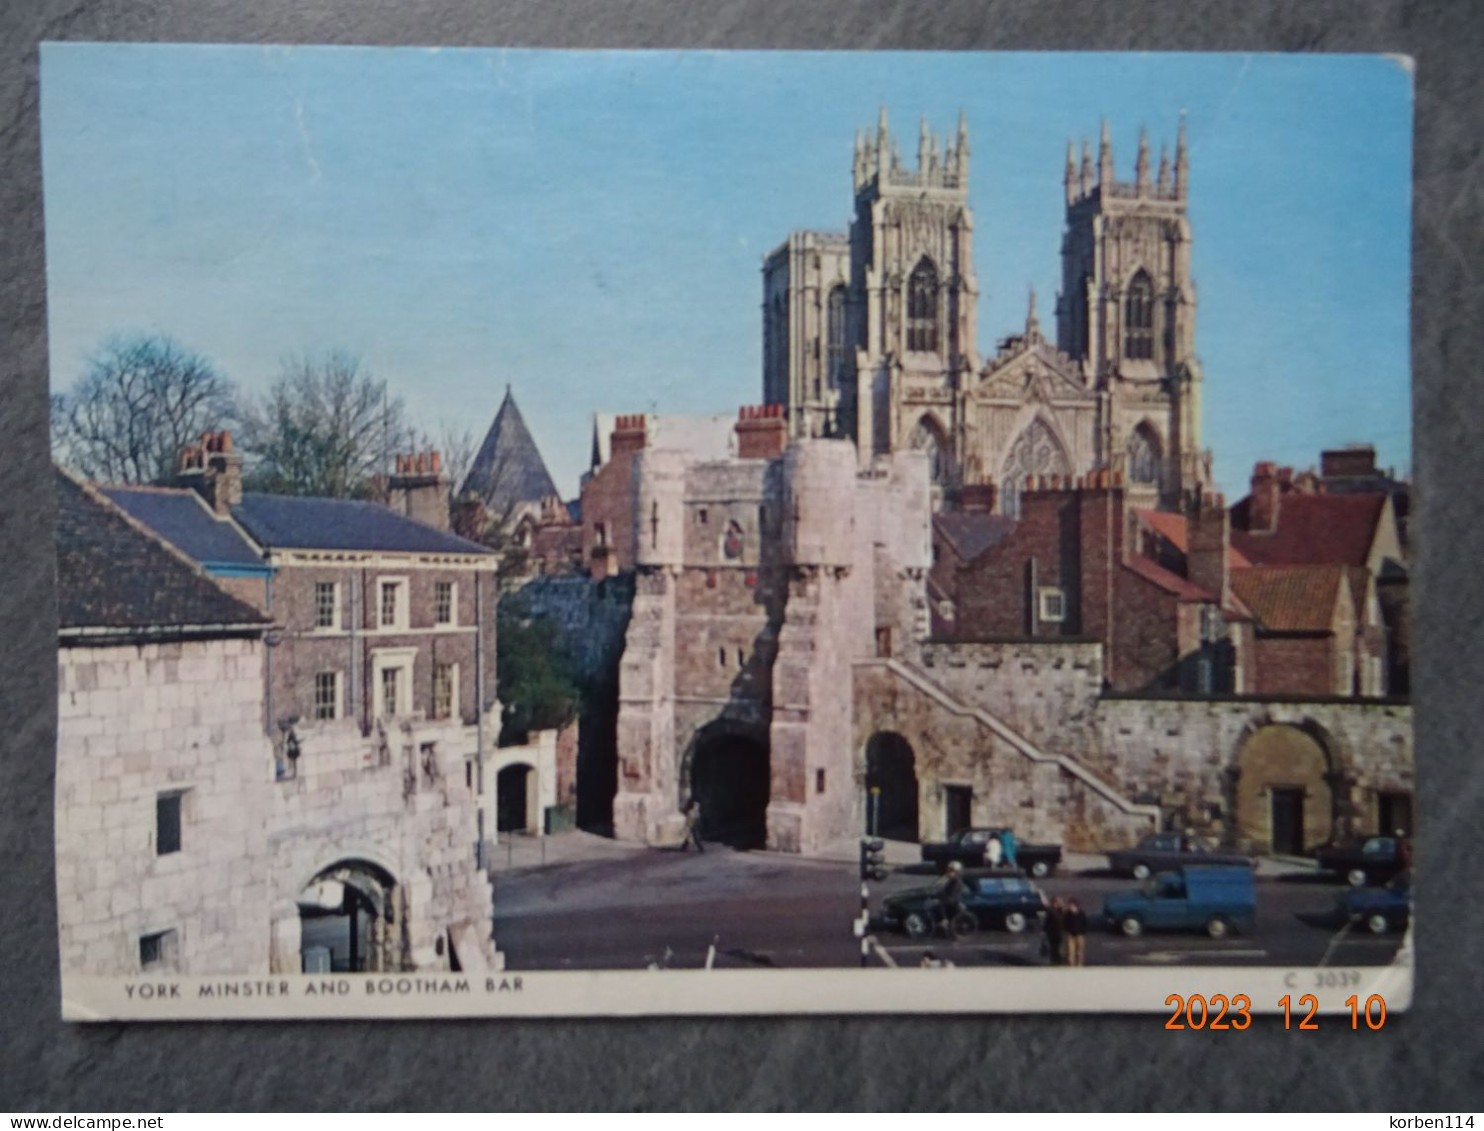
x=135, y=722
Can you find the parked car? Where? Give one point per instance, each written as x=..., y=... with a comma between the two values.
x=1218, y=899
x=1158, y=852
x=1011, y=903
x=970, y=847
x=1379, y=909
x=1373, y=861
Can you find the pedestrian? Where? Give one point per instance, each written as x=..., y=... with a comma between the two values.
x=1007, y=845
x=1075, y=926
x=692, y=826
x=1054, y=931
x=992, y=850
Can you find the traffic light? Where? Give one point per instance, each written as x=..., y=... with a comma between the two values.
x=873, y=859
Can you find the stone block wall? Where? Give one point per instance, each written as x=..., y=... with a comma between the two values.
x=135, y=722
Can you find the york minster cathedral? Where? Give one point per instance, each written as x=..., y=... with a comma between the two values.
x=871, y=333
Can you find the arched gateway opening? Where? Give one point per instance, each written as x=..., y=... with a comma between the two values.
x=730, y=777
x=1283, y=797
x=891, y=768
x=514, y=804
x=348, y=920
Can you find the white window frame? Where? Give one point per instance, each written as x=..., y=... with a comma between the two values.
x=337, y=705
x=334, y=625
x=402, y=661
x=399, y=620
x=1051, y=604
x=453, y=691
x=453, y=605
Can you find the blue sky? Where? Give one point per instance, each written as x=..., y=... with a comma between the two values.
x=589, y=226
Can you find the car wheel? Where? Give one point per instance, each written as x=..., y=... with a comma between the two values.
x=1356, y=877
x=1377, y=924
x=1040, y=869
x=1141, y=871
x=1217, y=927
x=1015, y=922
x=1132, y=926
x=916, y=925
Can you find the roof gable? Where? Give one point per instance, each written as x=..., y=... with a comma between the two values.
x=969, y=534
x=1293, y=598
x=113, y=574
x=1031, y=368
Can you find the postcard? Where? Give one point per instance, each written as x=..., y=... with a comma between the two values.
x=614, y=532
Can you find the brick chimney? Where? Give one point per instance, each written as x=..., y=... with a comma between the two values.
x=1352, y=461
x=1262, y=514
x=1208, y=544
x=977, y=498
x=629, y=435
x=419, y=489
x=762, y=431
x=212, y=468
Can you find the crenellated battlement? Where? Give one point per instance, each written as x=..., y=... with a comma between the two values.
x=1085, y=181
x=941, y=164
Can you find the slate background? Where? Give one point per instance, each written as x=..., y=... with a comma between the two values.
x=1426, y=1061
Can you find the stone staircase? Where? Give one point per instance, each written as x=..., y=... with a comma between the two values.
x=926, y=685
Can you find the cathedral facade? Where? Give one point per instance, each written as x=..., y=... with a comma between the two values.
x=871, y=333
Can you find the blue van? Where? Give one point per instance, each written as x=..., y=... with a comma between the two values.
x=1218, y=899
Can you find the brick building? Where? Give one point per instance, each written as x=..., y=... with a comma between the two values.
x=182, y=845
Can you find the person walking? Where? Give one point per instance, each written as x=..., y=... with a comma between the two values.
x=1007, y=846
x=1075, y=926
x=1054, y=931
x=692, y=827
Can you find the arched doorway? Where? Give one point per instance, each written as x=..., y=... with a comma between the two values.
x=730, y=777
x=348, y=920
x=1283, y=798
x=891, y=767
x=513, y=802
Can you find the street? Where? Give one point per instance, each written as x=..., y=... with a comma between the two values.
x=665, y=907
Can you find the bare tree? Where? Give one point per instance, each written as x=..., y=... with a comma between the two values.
x=326, y=427
x=142, y=399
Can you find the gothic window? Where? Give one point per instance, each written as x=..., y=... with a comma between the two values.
x=926, y=438
x=1036, y=452
x=835, y=319
x=1143, y=459
x=1138, y=319
x=922, y=309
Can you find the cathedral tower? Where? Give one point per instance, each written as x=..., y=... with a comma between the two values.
x=1126, y=315
x=871, y=334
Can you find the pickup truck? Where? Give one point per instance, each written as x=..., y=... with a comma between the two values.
x=970, y=847
x=1373, y=861
x=1162, y=852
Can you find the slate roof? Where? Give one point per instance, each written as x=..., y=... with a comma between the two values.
x=288, y=522
x=1292, y=598
x=1312, y=530
x=114, y=574
x=1182, y=588
x=508, y=469
x=181, y=517
x=970, y=534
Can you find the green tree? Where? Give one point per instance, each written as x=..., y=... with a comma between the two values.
x=538, y=681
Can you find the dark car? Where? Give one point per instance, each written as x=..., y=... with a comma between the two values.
x=1162, y=852
x=970, y=847
x=1009, y=902
x=1373, y=861
x=1379, y=909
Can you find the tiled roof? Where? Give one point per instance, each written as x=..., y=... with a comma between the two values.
x=182, y=518
x=1169, y=582
x=1312, y=530
x=970, y=533
x=1292, y=598
x=113, y=574
x=287, y=522
x=1172, y=528
x=508, y=470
